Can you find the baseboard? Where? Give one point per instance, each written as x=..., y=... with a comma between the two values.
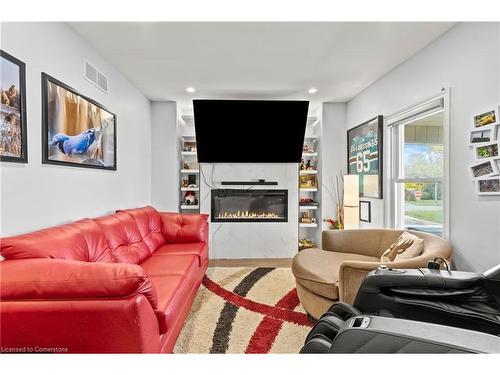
x=261, y=262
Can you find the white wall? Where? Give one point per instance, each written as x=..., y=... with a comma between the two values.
x=333, y=155
x=33, y=195
x=164, y=156
x=466, y=59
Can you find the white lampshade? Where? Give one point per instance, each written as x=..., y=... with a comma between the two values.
x=351, y=201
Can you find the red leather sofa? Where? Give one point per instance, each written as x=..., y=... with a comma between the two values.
x=122, y=283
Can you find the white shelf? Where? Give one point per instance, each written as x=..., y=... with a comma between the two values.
x=187, y=117
x=189, y=207
x=309, y=154
x=190, y=189
x=309, y=189
x=312, y=171
x=188, y=153
x=304, y=225
x=188, y=136
x=190, y=171
x=308, y=207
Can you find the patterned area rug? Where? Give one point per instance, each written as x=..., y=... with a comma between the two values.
x=245, y=310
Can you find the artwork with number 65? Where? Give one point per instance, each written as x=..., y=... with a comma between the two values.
x=364, y=156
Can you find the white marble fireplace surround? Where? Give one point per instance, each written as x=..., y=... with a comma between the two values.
x=249, y=240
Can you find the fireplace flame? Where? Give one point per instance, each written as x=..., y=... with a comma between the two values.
x=248, y=215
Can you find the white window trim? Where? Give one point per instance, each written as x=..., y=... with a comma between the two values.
x=392, y=162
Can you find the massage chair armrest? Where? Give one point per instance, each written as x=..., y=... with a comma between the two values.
x=184, y=228
x=56, y=279
x=376, y=282
x=375, y=334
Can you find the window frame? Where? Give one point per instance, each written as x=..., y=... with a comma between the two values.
x=394, y=124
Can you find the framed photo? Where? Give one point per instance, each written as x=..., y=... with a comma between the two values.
x=365, y=156
x=13, y=135
x=484, y=134
x=365, y=211
x=486, y=150
x=484, y=168
x=308, y=181
x=489, y=117
x=77, y=131
x=488, y=186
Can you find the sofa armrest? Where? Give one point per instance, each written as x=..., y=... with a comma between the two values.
x=47, y=279
x=351, y=275
x=184, y=228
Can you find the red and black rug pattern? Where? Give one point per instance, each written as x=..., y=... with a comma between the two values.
x=245, y=310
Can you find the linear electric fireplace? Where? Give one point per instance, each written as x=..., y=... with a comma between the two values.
x=240, y=205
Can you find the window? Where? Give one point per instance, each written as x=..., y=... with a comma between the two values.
x=419, y=168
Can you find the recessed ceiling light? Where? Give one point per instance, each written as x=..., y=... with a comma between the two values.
x=313, y=90
x=190, y=90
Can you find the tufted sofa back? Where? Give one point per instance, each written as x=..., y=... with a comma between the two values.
x=128, y=236
x=179, y=228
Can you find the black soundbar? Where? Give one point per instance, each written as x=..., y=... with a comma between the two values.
x=260, y=182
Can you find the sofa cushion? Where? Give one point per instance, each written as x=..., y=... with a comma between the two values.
x=173, y=291
x=182, y=228
x=160, y=265
x=318, y=270
x=65, y=279
x=199, y=249
x=82, y=241
x=150, y=226
x=124, y=238
x=414, y=250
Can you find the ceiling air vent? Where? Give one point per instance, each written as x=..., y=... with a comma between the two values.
x=93, y=75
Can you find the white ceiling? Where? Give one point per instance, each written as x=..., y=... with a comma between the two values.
x=257, y=60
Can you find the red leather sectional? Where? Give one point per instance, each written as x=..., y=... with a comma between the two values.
x=122, y=283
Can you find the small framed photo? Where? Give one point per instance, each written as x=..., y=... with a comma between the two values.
x=484, y=134
x=488, y=186
x=13, y=135
x=489, y=117
x=365, y=211
x=487, y=150
x=309, y=181
x=484, y=168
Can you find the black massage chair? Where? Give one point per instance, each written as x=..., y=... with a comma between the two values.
x=416, y=311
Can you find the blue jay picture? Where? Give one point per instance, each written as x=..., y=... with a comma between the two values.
x=83, y=146
x=79, y=131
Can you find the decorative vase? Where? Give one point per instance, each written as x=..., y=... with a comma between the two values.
x=340, y=216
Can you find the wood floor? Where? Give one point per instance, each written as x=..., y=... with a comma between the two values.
x=263, y=262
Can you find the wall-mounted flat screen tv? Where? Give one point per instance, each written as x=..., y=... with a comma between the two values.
x=250, y=131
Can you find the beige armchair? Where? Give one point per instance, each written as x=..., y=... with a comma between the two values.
x=337, y=271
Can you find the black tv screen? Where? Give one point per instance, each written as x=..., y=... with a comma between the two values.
x=250, y=131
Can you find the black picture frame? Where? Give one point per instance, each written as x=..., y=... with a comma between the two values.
x=46, y=79
x=380, y=154
x=368, y=205
x=22, y=110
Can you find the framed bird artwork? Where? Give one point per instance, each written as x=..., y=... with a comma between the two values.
x=77, y=131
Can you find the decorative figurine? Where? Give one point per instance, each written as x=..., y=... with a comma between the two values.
x=190, y=198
